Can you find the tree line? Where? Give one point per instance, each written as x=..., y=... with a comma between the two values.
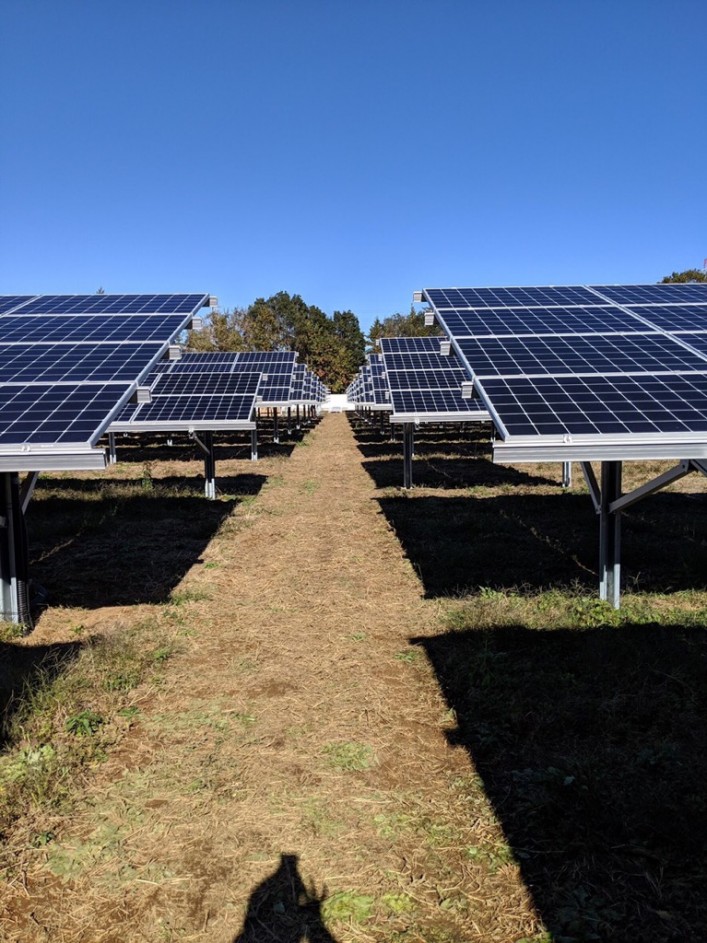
x=332, y=347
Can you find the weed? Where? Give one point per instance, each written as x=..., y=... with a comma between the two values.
x=310, y=487
x=349, y=906
x=10, y=631
x=84, y=724
x=160, y=655
x=398, y=903
x=409, y=657
x=349, y=756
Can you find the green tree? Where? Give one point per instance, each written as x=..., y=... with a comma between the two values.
x=401, y=325
x=222, y=330
x=689, y=275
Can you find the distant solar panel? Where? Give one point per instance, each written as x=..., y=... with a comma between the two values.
x=425, y=385
x=193, y=400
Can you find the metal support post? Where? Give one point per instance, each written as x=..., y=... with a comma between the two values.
x=289, y=420
x=254, y=445
x=407, y=454
x=610, y=535
x=112, y=457
x=297, y=419
x=13, y=553
x=567, y=474
x=209, y=466
x=275, y=427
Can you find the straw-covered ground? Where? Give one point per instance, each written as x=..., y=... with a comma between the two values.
x=323, y=709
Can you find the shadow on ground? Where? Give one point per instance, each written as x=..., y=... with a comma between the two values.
x=24, y=669
x=284, y=910
x=108, y=542
x=458, y=545
x=156, y=447
x=592, y=747
x=458, y=471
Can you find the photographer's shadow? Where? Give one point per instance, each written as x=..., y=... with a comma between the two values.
x=284, y=910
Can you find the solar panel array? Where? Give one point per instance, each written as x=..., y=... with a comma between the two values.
x=425, y=385
x=414, y=382
x=68, y=362
x=585, y=372
x=204, y=390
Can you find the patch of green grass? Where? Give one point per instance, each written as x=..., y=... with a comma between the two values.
x=348, y=906
x=410, y=656
x=65, y=716
x=350, y=756
x=310, y=487
x=10, y=631
x=181, y=597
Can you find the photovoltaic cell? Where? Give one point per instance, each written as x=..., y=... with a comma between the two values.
x=514, y=321
x=562, y=296
x=565, y=356
x=113, y=304
x=635, y=364
x=669, y=293
x=73, y=363
x=600, y=405
x=45, y=413
x=92, y=328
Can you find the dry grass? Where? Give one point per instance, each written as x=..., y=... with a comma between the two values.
x=344, y=735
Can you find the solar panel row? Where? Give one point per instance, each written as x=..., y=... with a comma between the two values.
x=569, y=372
x=69, y=362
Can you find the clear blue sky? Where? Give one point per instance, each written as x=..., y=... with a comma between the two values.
x=350, y=152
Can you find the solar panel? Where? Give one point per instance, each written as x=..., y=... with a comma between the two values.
x=10, y=302
x=61, y=363
x=426, y=386
x=587, y=380
x=113, y=304
x=15, y=328
x=443, y=298
x=668, y=293
x=581, y=354
x=511, y=322
x=67, y=365
x=190, y=400
x=46, y=414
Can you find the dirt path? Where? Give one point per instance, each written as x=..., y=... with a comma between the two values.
x=298, y=741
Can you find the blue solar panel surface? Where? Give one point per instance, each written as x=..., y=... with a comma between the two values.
x=46, y=414
x=593, y=370
x=93, y=328
x=67, y=362
x=424, y=382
